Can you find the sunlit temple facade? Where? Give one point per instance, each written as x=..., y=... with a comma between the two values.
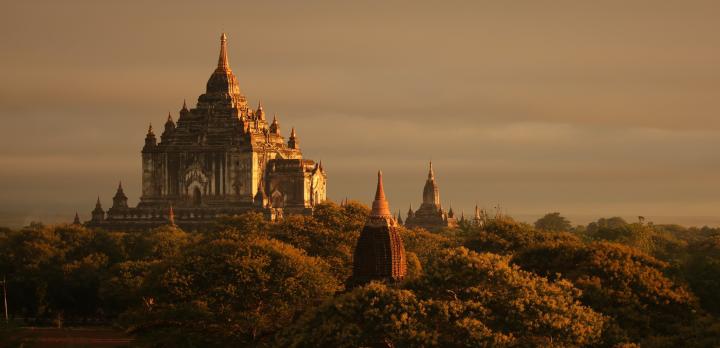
x=220, y=158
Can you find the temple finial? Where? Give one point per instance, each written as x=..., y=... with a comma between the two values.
x=292, y=132
x=184, y=108
x=223, y=59
x=431, y=174
x=380, y=207
x=150, y=131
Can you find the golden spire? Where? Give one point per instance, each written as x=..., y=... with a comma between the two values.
x=223, y=59
x=380, y=207
x=431, y=174
x=292, y=132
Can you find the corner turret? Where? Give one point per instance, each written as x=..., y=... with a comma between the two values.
x=150, y=140
x=293, y=142
x=120, y=200
x=98, y=214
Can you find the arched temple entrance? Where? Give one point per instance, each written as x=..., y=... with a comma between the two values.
x=196, y=196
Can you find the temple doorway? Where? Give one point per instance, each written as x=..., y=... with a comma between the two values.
x=197, y=196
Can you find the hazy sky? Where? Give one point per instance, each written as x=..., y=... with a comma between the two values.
x=590, y=108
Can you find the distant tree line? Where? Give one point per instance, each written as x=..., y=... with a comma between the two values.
x=497, y=283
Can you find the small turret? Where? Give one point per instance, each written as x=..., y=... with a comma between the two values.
x=98, y=214
x=275, y=126
x=450, y=213
x=293, y=141
x=76, y=221
x=120, y=200
x=399, y=218
x=150, y=140
x=410, y=212
x=260, y=113
x=169, y=128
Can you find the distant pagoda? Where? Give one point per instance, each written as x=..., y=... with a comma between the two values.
x=379, y=252
x=221, y=158
x=431, y=215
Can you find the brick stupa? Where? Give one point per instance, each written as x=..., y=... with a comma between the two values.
x=379, y=253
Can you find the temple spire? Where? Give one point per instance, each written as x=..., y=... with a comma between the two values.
x=223, y=59
x=431, y=174
x=380, y=207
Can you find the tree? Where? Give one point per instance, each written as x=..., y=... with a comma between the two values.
x=463, y=299
x=622, y=282
x=229, y=292
x=503, y=235
x=553, y=222
x=501, y=298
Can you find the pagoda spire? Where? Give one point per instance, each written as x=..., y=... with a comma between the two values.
x=76, y=221
x=431, y=193
x=380, y=206
x=184, y=108
x=150, y=131
x=223, y=59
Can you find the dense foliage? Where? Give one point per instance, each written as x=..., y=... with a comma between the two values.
x=250, y=282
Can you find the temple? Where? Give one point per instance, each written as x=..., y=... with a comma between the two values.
x=431, y=216
x=379, y=252
x=220, y=158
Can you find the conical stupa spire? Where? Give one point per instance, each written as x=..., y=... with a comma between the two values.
x=184, y=108
x=380, y=207
x=76, y=221
x=431, y=174
x=150, y=131
x=98, y=204
x=169, y=119
x=223, y=59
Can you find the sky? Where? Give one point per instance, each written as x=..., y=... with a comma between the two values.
x=589, y=108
